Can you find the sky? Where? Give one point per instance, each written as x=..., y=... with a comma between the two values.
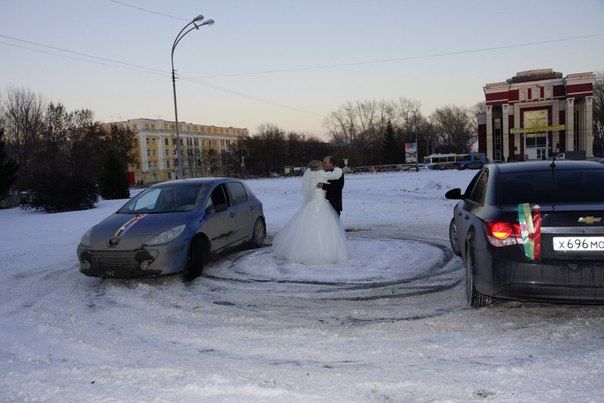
x=290, y=63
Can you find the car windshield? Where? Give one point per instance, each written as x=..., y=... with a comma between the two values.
x=165, y=199
x=547, y=187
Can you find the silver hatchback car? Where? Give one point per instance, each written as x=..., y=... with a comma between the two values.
x=173, y=227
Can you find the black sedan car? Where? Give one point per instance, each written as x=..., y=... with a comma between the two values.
x=532, y=231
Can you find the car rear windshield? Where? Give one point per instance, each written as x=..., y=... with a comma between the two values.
x=551, y=187
x=165, y=199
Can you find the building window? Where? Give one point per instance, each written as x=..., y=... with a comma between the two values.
x=166, y=142
x=523, y=94
x=536, y=93
x=222, y=143
x=148, y=153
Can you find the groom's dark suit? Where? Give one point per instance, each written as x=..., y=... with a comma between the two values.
x=334, y=192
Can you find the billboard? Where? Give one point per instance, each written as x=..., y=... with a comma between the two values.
x=410, y=153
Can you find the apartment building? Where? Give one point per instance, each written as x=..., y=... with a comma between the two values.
x=199, y=145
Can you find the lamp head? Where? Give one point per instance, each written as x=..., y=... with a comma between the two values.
x=208, y=22
x=198, y=18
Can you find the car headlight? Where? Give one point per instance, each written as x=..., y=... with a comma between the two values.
x=85, y=241
x=166, y=236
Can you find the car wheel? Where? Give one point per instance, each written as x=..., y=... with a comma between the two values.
x=453, y=237
x=258, y=234
x=199, y=252
x=474, y=298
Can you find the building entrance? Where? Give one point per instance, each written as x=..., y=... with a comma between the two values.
x=536, y=146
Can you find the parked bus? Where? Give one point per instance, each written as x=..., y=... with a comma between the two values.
x=455, y=161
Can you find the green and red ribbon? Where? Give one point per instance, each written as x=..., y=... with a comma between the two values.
x=529, y=218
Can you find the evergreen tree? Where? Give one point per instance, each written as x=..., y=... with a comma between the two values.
x=113, y=183
x=60, y=183
x=391, y=150
x=8, y=169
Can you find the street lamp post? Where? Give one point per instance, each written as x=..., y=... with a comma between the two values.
x=197, y=22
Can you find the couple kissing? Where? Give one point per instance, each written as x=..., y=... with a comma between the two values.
x=314, y=235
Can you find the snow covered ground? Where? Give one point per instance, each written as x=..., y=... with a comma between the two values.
x=390, y=324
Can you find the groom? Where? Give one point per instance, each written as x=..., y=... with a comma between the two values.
x=333, y=187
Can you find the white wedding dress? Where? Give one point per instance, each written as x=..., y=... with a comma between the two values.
x=314, y=235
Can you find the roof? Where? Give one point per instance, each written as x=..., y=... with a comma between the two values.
x=512, y=167
x=193, y=181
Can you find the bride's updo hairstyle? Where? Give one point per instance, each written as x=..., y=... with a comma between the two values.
x=315, y=165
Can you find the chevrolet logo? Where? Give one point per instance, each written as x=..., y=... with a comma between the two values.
x=113, y=241
x=590, y=220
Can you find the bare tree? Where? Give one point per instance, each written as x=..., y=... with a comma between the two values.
x=358, y=129
x=23, y=118
x=453, y=126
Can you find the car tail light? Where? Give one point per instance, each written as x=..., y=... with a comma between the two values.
x=503, y=233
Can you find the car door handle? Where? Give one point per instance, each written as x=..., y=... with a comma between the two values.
x=252, y=207
x=232, y=214
x=459, y=213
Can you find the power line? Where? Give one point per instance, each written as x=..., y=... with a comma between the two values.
x=79, y=58
x=148, y=10
x=360, y=63
x=144, y=69
x=80, y=53
x=255, y=98
x=398, y=59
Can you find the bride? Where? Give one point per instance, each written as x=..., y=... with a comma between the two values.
x=314, y=235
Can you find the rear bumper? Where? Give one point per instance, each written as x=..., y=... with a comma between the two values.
x=554, y=281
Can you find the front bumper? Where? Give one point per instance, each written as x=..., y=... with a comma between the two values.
x=140, y=263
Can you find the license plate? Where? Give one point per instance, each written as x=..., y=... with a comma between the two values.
x=579, y=244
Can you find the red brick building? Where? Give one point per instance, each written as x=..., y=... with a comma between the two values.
x=537, y=113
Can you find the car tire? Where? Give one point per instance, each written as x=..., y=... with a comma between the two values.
x=199, y=253
x=258, y=234
x=454, y=237
x=474, y=298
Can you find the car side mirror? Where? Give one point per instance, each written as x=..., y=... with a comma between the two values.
x=454, y=194
x=220, y=207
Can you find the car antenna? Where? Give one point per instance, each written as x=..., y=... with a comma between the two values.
x=553, y=167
